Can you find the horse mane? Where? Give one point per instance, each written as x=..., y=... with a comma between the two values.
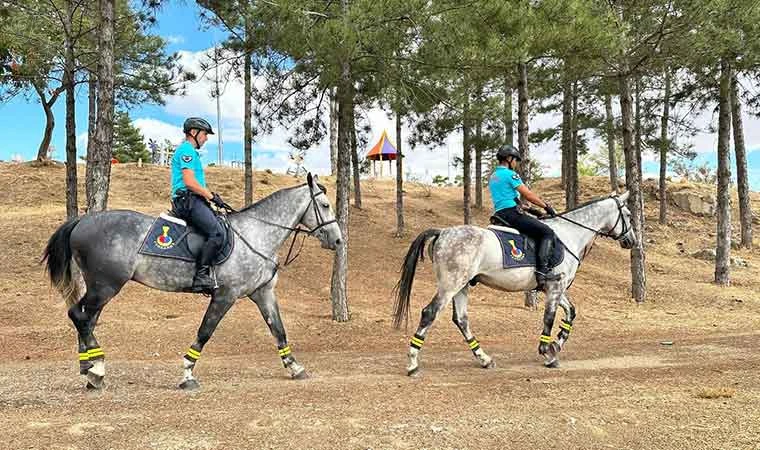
x=587, y=203
x=262, y=200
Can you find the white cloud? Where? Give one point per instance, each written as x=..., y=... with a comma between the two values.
x=158, y=130
x=421, y=162
x=174, y=39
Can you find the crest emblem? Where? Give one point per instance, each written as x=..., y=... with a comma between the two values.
x=516, y=253
x=187, y=158
x=515, y=177
x=164, y=240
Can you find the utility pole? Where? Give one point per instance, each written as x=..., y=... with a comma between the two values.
x=220, y=150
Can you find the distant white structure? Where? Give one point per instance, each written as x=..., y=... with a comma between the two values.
x=296, y=169
x=17, y=158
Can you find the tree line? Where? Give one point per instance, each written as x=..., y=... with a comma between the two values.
x=634, y=73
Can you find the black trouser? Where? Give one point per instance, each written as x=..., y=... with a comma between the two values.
x=197, y=212
x=534, y=229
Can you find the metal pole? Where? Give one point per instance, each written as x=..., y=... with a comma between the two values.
x=220, y=151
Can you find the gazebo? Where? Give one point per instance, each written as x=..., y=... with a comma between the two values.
x=382, y=151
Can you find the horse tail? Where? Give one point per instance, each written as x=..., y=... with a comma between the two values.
x=58, y=263
x=403, y=289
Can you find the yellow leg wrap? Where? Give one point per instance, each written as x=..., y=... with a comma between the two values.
x=285, y=351
x=545, y=339
x=474, y=344
x=95, y=353
x=566, y=326
x=84, y=356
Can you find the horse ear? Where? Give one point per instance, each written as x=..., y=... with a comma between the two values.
x=315, y=178
x=309, y=179
x=624, y=196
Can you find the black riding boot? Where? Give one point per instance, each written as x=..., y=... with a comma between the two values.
x=544, y=254
x=202, y=282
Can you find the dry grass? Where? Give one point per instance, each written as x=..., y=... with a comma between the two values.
x=617, y=388
x=713, y=393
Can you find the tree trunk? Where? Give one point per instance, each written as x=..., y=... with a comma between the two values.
x=571, y=187
x=639, y=132
x=633, y=184
x=399, y=180
x=566, y=140
x=509, y=131
x=355, y=162
x=333, y=132
x=466, y=159
x=99, y=158
x=664, y=145
x=92, y=109
x=345, y=93
x=611, y=142
x=47, y=106
x=723, y=249
x=247, y=128
x=522, y=121
x=72, y=203
x=742, y=181
x=479, y=164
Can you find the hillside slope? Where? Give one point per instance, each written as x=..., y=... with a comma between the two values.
x=616, y=378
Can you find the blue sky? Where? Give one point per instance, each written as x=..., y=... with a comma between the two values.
x=179, y=23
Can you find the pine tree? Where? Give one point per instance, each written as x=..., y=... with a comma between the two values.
x=128, y=143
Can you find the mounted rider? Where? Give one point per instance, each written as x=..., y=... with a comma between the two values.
x=506, y=190
x=191, y=197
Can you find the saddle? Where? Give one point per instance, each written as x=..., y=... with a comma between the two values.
x=519, y=250
x=171, y=237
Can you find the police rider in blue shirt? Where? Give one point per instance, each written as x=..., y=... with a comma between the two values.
x=506, y=190
x=191, y=197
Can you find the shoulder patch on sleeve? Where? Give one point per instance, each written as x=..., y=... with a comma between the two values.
x=515, y=176
x=187, y=158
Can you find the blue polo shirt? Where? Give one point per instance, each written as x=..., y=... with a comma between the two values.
x=186, y=157
x=503, y=186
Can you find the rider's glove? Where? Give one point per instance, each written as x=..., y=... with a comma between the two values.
x=550, y=211
x=217, y=200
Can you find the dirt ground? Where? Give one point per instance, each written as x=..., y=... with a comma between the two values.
x=618, y=386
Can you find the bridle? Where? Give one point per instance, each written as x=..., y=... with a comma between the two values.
x=298, y=229
x=610, y=234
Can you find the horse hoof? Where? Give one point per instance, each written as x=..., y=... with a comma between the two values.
x=302, y=375
x=553, y=364
x=94, y=382
x=413, y=372
x=490, y=365
x=190, y=385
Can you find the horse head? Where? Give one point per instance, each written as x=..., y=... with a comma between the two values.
x=319, y=217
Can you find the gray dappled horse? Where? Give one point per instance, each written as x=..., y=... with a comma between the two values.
x=465, y=255
x=92, y=257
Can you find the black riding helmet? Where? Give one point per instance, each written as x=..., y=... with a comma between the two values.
x=196, y=123
x=506, y=151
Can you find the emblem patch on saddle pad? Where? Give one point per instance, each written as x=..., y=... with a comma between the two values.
x=520, y=251
x=170, y=237
x=165, y=241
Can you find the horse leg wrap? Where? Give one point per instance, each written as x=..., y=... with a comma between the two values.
x=565, y=328
x=544, y=342
x=417, y=341
x=192, y=355
x=474, y=345
x=93, y=354
x=285, y=354
x=84, y=363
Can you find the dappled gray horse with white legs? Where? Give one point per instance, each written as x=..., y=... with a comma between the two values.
x=92, y=257
x=466, y=255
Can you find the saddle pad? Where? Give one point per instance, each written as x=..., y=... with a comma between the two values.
x=520, y=251
x=169, y=237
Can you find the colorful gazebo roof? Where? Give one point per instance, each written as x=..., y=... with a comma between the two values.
x=383, y=150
